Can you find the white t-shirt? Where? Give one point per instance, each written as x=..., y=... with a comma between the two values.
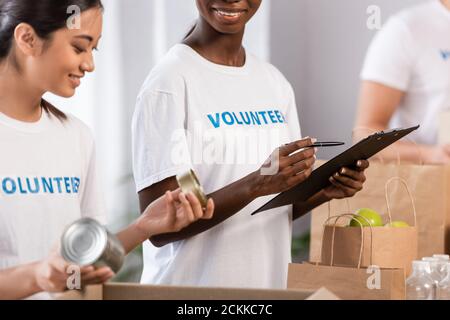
x=412, y=53
x=223, y=122
x=47, y=181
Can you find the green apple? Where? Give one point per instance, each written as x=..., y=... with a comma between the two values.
x=397, y=224
x=372, y=218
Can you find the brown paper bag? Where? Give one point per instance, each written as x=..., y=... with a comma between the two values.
x=388, y=247
x=346, y=282
x=430, y=188
x=350, y=282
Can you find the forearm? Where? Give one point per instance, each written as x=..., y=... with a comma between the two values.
x=131, y=237
x=405, y=151
x=302, y=208
x=228, y=201
x=18, y=282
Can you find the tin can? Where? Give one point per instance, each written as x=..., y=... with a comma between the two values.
x=189, y=182
x=86, y=242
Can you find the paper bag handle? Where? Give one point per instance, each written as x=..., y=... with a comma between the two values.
x=386, y=194
x=347, y=201
x=347, y=215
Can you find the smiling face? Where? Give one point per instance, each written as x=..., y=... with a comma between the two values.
x=67, y=56
x=228, y=16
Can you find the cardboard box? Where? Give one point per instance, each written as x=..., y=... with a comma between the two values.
x=127, y=291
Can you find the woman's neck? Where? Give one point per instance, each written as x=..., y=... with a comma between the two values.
x=216, y=47
x=18, y=100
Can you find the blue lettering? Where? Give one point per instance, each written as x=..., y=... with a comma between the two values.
x=231, y=118
x=12, y=189
x=263, y=114
x=279, y=116
x=58, y=180
x=229, y=122
x=255, y=118
x=21, y=189
x=36, y=186
x=237, y=120
x=47, y=185
x=272, y=117
x=75, y=184
x=67, y=184
x=248, y=121
x=216, y=122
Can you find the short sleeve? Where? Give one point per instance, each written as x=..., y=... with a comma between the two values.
x=159, y=136
x=390, y=58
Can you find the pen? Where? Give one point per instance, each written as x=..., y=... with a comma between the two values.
x=325, y=144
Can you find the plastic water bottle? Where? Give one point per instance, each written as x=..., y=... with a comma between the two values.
x=443, y=290
x=434, y=271
x=443, y=257
x=443, y=260
x=419, y=286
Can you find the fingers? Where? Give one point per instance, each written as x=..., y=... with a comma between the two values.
x=347, y=182
x=170, y=202
x=187, y=209
x=196, y=205
x=299, y=156
x=348, y=186
x=87, y=270
x=289, y=148
x=348, y=191
x=299, y=167
x=170, y=197
x=209, y=209
x=299, y=177
x=98, y=276
x=193, y=206
x=362, y=165
x=175, y=194
x=355, y=175
x=58, y=263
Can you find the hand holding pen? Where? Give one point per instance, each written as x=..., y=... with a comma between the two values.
x=325, y=144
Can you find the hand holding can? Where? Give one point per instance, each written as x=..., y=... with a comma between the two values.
x=189, y=182
x=87, y=243
x=172, y=212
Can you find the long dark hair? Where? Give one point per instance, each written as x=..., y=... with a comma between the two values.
x=45, y=16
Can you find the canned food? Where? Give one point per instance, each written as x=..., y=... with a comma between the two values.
x=189, y=182
x=86, y=242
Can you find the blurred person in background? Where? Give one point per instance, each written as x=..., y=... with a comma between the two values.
x=406, y=81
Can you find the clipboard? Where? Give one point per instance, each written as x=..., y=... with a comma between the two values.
x=318, y=179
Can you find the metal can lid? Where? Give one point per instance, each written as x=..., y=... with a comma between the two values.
x=83, y=242
x=189, y=182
